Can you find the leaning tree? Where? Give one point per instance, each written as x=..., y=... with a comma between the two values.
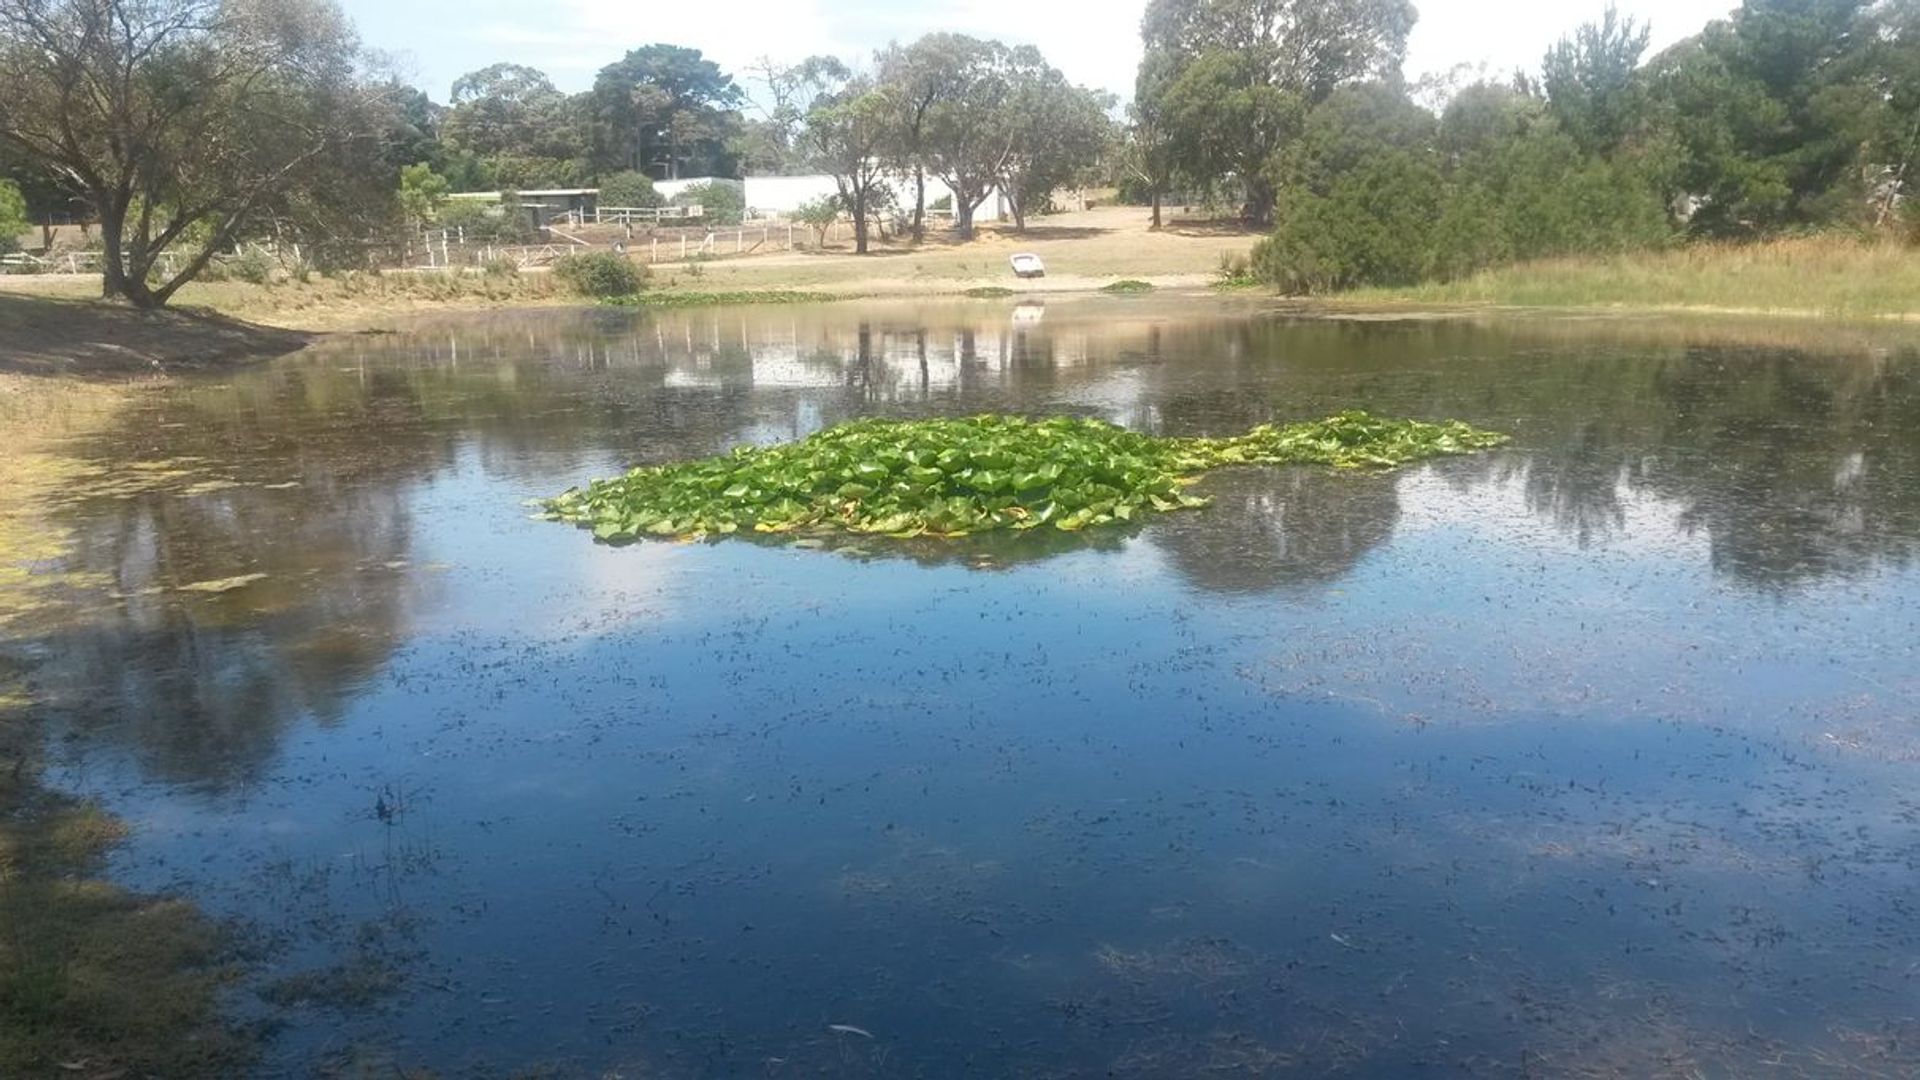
x=187, y=123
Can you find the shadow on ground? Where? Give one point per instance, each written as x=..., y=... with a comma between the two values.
x=45, y=336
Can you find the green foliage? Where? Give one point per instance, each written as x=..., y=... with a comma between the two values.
x=486, y=223
x=1055, y=133
x=509, y=127
x=667, y=111
x=1772, y=110
x=422, y=193
x=1375, y=194
x=951, y=478
x=819, y=213
x=629, y=190
x=776, y=145
x=1127, y=286
x=1359, y=193
x=1590, y=81
x=848, y=132
x=214, y=118
x=720, y=202
x=601, y=275
x=13, y=216
x=1235, y=271
x=1225, y=83
x=253, y=265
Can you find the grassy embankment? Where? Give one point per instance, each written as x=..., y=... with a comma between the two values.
x=1816, y=276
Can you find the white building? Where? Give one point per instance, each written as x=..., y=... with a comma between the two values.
x=771, y=196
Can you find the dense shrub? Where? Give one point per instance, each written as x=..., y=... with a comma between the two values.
x=629, y=190
x=601, y=275
x=720, y=201
x=1375, y=192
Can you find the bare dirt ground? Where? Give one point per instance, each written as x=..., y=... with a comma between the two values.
x=1082, y=251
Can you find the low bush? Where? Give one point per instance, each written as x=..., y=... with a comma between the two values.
x=721, y=202
x=601, y=275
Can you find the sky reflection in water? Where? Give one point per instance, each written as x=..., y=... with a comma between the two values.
x=1594, y=752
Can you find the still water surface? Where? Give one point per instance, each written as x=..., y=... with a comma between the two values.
x=1594, y=755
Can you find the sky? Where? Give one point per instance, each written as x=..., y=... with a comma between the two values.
x=435, y=41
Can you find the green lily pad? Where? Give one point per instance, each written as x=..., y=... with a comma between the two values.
x=978, y=474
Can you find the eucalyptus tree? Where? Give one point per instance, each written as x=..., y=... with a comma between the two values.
x=1053, y=131
x=964, y=137
x=918, y=76
x=185, y=122
x=1149, y=152
x=1238, y=77
x=522, y=130
x=666, y=109
x=847, y=132
x=776, y=141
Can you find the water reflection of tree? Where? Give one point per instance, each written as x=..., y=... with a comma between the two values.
x=1796, y=463
x=1797, y=466
x=201, y=685
x=1270, y=530
x=1801, y=470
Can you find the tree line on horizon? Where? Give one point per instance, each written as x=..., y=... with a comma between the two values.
x=1788, y=115
x=128, y=112
x=185, y=126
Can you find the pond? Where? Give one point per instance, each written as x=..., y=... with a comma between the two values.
x=1596, y=753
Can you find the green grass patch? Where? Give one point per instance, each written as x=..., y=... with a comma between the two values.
x=951, y=478
x=988, y=292
x=720, y=299
x=1127, y=287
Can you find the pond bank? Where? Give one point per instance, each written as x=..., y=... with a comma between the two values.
x=1811, y=277
x=41, y=335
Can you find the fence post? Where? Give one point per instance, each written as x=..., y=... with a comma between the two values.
x=655, y=257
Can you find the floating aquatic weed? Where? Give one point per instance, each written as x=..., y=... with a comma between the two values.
x=956, y=477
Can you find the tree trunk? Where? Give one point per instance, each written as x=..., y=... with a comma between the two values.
x=113, y=273
x=963, y=216
x=860, y=221
x=1019, y=210
x=1260, y=202
x=919, y=203
x=1156, y=209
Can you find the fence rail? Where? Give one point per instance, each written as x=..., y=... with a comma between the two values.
x=452, y=249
